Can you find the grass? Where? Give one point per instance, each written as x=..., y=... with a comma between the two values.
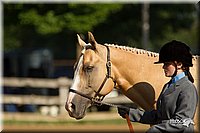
x=62, y=122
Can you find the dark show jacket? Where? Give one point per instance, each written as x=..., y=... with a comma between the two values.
x=175, y=111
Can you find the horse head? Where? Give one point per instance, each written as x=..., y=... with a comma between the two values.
x=92, y=77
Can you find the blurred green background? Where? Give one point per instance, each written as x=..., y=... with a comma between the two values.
x=55, y=25
x=39, y=40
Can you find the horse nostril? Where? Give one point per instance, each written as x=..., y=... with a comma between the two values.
x=73, y=106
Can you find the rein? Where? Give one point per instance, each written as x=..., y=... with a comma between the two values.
x=99, y=97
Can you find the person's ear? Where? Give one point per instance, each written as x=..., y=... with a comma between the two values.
x=179, y=65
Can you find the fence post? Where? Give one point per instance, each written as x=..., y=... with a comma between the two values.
x=63, y=84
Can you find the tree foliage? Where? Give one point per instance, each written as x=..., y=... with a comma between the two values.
x=173, y=21
x=56, y=25
x=49, y=19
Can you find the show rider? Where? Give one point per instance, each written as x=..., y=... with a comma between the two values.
x=176, y=105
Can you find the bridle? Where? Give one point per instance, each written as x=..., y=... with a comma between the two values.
x=99, y=97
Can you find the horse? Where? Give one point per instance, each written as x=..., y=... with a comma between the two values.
x=100, y=68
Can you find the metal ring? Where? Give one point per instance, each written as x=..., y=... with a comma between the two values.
x=108, y=63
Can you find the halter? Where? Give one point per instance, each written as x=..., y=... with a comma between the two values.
x=99, y=97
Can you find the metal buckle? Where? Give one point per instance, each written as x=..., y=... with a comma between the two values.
x=108, y=64
x=96, y=101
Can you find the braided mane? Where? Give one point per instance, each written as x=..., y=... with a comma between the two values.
x=134, y=50
x=140, y=51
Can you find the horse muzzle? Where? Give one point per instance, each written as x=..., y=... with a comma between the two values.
x=74, y=112
x=77, y=107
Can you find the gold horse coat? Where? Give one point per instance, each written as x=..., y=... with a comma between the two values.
x=133, y=70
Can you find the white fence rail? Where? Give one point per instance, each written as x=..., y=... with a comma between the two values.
x=62, y=84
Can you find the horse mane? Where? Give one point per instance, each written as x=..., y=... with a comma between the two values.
x=140, y=51
x=196, y=57
x=134, y=50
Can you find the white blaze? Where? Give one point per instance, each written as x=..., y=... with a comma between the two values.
x=76, y=80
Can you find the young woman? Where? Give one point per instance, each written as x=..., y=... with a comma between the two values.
x=177, y=102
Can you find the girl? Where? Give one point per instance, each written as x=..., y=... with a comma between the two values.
x=177, y=102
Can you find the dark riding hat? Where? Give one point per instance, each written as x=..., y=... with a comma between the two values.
x=175, y=51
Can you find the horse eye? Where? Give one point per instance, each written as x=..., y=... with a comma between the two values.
x=89, y=68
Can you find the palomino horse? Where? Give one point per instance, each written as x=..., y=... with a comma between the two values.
x=100, y=68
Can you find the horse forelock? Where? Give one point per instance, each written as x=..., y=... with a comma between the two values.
x=134, y=50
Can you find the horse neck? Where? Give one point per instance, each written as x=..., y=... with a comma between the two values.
x=131, y=65
x=137, y=75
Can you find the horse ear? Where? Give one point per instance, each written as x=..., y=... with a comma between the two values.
x=91, y=40
x=80, y=41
